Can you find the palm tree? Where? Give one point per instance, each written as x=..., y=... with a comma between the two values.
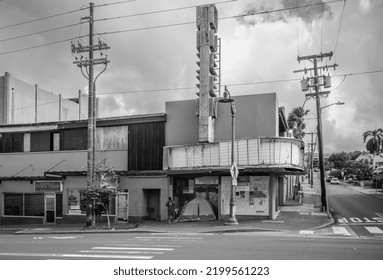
x=375, y=144
x=296, y=122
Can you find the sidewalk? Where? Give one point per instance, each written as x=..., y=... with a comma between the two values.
x=294, y=216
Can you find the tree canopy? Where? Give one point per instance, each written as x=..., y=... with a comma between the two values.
x=295, y=121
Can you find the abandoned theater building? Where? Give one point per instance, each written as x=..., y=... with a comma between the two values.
x=43, y=156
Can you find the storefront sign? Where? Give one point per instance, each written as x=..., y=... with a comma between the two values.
x=48, y=186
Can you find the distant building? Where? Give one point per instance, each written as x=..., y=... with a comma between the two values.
x=21, y=102
x=368, y=158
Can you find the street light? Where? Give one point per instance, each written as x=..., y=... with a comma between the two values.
x=233, y=170
x=320, y=149
x=336, y=103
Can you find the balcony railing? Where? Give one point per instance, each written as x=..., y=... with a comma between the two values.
x=251, y=152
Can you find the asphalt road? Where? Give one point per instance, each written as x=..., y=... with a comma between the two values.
x=238, y=246
x=358, y=213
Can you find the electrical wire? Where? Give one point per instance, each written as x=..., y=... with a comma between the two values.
x=340, y=25
x=321, y=35
x=39, y=32
x=161, y=26
x=159, y=11
x=344, y=78
x=43, y=18
x=298, y=28
x=239, y=84
x=42, y=45
x=115, y=3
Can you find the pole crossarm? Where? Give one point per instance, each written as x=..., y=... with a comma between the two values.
x=315, y=56
x=319, y=93
x=320, y=67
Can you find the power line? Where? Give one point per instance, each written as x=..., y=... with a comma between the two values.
x=43, y=18
x=43, y=45
x=240, y=84
x=156, y=27
x=160, y=11
x=39, y=32
x=115, y=3
x=194, y=88
x=340, y=24
x=221, y=18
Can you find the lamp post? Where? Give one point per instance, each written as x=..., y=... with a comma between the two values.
x=336, y=103
x=233, y=170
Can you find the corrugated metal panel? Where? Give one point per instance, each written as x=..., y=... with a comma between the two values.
x=145, y=146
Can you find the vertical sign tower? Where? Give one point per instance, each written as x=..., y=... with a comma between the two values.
x=207, y=45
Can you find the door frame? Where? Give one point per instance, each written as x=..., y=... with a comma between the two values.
x=49, y=195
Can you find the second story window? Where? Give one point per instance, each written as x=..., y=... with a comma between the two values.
x=11, y=142
x=41, y=141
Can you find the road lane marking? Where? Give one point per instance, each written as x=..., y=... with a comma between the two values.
x=120, y=252
x=146, y=244
x=306, y=232
x=168, y=237
x=53, y=255
x=341, y=231
x=374, y=230
x=132, y=248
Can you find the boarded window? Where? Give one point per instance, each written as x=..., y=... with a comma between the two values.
x=145, y=145
x=13, y=204
x=74, y=139
x=41, y=141
x=34, y=204
x=11, y=142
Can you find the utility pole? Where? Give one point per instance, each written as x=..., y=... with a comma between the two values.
x=311, y=149
x=316, y=81
x=88, y=64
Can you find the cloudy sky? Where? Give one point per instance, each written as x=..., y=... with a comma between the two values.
x=153, y=54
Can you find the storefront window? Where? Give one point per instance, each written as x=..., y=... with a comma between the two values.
x=34, y=204
x=13, y=204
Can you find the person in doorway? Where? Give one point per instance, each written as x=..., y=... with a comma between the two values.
x=171, y=208
x=295, y=190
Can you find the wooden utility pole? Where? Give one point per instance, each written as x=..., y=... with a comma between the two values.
x=88, y=64
x=207, y=45
x=316, y=82
x=311, y=156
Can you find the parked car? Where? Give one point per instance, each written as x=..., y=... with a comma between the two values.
x=328, y=179
x=334, y=181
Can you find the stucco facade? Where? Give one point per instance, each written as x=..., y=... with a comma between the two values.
x=266, y=161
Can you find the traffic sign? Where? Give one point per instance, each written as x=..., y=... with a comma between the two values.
x=234, y=171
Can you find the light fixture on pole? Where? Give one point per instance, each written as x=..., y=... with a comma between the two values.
x=234, y=169
x=336, y=103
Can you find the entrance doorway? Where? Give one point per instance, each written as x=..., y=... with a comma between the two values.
x=122, y=206
x=152, y=203
x=50, y=206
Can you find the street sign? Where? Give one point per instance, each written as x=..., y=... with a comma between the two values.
x=234, y=171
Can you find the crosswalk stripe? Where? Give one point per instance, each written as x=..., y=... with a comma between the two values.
x=120, y=252
x=306, y=232
x=341, y=230
x=133, y=248
x=53, y=255
x=374, y=230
